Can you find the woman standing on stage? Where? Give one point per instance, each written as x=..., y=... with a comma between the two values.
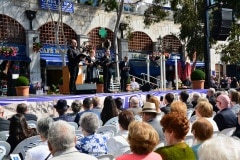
x=92, y=71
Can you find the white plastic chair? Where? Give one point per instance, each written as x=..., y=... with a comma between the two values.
x=74, y=124
x=4, y=135
x=106, y=157
x=159, y=145
x=138, y=118
x=228, y=131
x=4, y=149
x=2, y=152
x=189, y=139
x=189, y=112
x=109, y=131
x=193, y=118
x=26, y=144
x=32, y=123
x=114, y=122
x=79, y=134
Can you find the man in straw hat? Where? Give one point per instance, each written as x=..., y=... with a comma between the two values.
x=149, y=115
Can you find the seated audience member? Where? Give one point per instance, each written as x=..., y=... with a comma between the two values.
x=92, y=143
x=19, y=130
x=225, y=118
x=220, y=148
x=87, y=107
x=204, y=109
x=109, y=109
x=61, y=108
x=148, y=96
x=175, y=127
x=212, y=99
x=183, y=96
x=4, y=122
x=76, y=107
x=156, y=101
x=119, y=103
x=195, y=98
x=41, y=152
x=237, y=131
x=61, y=142
x=149, y=115
x=97, y=108
x=23, y=109
x=202, y=130
x=142, y=139
x=134, y=105
x=234, y=97
x=134, y=84
x=179, y=106
x=119, y=144
x=168, y=99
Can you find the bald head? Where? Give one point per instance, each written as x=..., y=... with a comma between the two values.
x=134, y=102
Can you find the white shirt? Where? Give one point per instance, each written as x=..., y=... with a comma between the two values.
x=118, y=145
x=40, y=152
x=134, y=85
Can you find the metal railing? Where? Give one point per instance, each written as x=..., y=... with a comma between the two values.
x=158, y=80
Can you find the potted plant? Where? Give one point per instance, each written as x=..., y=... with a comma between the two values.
x=22, y=86
x=60, y=85
x=128, y=84
x=197, y=79
x=100, y=85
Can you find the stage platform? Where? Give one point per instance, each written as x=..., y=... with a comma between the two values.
x=44, y=103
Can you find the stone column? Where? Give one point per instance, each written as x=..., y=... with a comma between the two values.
x=34, y=68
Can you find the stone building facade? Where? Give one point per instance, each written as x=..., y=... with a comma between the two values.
x=83, y=24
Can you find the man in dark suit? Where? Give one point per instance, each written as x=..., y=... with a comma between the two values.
x=107, y=66
x=22, y=108
x=124, y=69
x=74, y=57
x=4, y=123
x=225, y=118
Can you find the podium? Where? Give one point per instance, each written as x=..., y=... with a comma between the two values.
x=66, y=78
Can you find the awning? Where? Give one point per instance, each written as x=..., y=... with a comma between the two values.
x=15, y=58
x=52, y=60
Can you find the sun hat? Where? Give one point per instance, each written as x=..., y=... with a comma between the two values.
x=149, y=107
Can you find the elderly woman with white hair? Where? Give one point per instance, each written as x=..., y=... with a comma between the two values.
x=92, y=143
x=41, y=151
x=225, y=118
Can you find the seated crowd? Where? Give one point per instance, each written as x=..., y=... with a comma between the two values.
x=156, y=130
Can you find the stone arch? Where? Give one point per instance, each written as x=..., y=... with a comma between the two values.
x=171, y=44
x=140, y=42
x=11, y=30
x=96, y=41
x=47, y=34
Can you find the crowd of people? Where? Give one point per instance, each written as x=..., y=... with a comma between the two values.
x=156, y=130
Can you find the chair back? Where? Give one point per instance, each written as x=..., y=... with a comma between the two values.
x=32, y=123
x=26, y=144
x=6, y=145
x=108, y=130
x=4, y=135
x=79, y=134
x=106, y=157
x=190, y=112
x=228, y=131
x=114, y=122
x=2, y=152
x=74, y=124
x=189, y=139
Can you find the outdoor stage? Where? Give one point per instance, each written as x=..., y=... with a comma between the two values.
x=41, y=105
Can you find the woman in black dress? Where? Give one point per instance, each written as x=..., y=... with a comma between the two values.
x=92, y=71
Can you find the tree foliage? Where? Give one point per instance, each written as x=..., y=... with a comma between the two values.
x=190, y=14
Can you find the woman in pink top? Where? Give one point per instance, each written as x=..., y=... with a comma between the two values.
x=142, y=139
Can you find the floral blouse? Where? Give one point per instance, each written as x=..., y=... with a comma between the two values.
x=95, y=145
